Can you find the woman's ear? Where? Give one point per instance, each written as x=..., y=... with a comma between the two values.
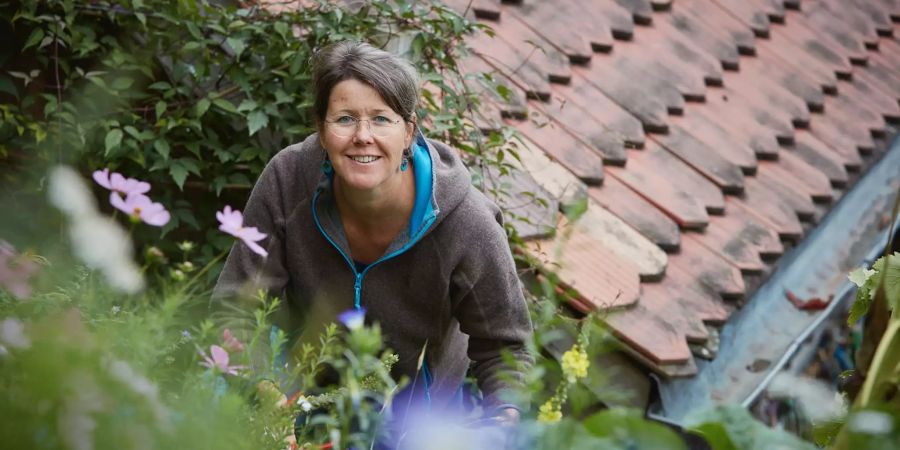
x=410, y=132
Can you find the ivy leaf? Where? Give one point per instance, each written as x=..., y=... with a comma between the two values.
x=860, y=275
x=256, y=120
x=113, y=139
x=162, y=147
x=225, y=105
x=122, y=83
x=179, y=173
x=202, y=107
x=237, y=44
x=36, y=36
x=247, y=105
x=160, y=108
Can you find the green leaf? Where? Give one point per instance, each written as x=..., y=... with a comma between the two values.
x=730, y=427
x=202, y=107
x=162, y=147
x=36, y=36
x=256, y=120
x=179, y=173
x=627, y=429
x=225, y=105
x=122, y=83
x=888, y=275
x=247, y=105
x=160, y=108
x=860, y=275
x=237, y=44
x=113, y=139
x=861, y=305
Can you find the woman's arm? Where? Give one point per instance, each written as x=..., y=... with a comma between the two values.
x=245, y=271
x=492, y=311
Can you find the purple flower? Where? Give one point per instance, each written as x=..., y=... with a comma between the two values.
x=140, y=207
x=232, y=222
x=15, y=270
x=353, y=318
x=220, y=361
x=118, y=184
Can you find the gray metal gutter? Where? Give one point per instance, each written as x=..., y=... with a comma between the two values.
x=769, y=328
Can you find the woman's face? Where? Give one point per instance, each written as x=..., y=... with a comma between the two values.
x=363, y=160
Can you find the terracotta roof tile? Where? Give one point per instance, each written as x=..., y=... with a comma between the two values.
x=773, y=208
x=715, y=41
x=707, y=268
x=786, y=189
x=703, y=158
x=723, y=142
x=879, y=16
x=748, y=13
x=585, y=163
x=738, y=33
x=641, y=10
x=820, y=156
x=564, y=25
x=757, y=81
x=638, y=213
x=603, y=279
x=741, y=121
x=818, y=18
x=529, y=50
x=643, y=103
x=793, y=165
x=618, y=19
x=602, y=108
x=606, y=140
x=880, y=68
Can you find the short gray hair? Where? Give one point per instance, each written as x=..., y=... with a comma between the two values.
x=393, y=77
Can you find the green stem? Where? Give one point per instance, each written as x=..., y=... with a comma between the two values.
x=202, y=271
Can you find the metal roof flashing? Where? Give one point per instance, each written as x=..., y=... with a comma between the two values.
x=760, y=339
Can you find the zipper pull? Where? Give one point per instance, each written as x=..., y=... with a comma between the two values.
x=357, y=287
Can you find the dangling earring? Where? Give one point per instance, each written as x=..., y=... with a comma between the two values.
x=326, y=166
x=405, y=162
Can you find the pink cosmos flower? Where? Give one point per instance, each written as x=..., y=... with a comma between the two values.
x=15, y=270
x=140, y=207
x=219, y=361
x=231, y=343
x=232, y=222
x=119, y=184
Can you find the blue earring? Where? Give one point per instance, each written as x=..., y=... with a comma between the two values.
x=326, y=167
x=405, y=163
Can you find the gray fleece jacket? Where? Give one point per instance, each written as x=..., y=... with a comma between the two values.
x=448, y=280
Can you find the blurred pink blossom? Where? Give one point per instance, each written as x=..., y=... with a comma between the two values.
x=232, y=222
x=231, y=343
x=140, y=207
x=220, y=361
x=119, y=184
x=15, y=270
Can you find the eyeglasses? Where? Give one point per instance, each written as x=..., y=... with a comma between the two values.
x=346, y=126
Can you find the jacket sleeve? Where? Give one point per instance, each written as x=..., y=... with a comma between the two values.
x=491, y=309
x=245, y=271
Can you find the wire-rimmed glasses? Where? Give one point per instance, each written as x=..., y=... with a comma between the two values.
x=346, y=126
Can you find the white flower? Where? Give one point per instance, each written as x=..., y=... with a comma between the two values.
x=12, y=334
x=816, y=399
x=70, y=194
x=98, y=241
x=75, y=422
x=871, y=422
x=122, y=372
x=305, y=405
x=103, y=245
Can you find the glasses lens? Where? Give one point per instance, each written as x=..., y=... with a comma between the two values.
x=380, y=128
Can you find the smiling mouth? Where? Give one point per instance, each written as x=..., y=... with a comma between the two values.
x=365, y=159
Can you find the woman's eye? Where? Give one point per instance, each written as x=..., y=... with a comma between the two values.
x=345, y=120
x=382, y=120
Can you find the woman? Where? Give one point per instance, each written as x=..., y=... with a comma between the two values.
x=368, y=213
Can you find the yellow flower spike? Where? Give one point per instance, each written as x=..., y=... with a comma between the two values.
x=575, y=363
x=549, y=412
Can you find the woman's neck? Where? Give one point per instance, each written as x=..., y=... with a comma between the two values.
x=378, y=208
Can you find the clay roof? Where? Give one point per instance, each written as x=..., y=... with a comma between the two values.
x=710, y=136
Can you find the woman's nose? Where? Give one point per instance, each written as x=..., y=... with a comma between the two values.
x=363, y=131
